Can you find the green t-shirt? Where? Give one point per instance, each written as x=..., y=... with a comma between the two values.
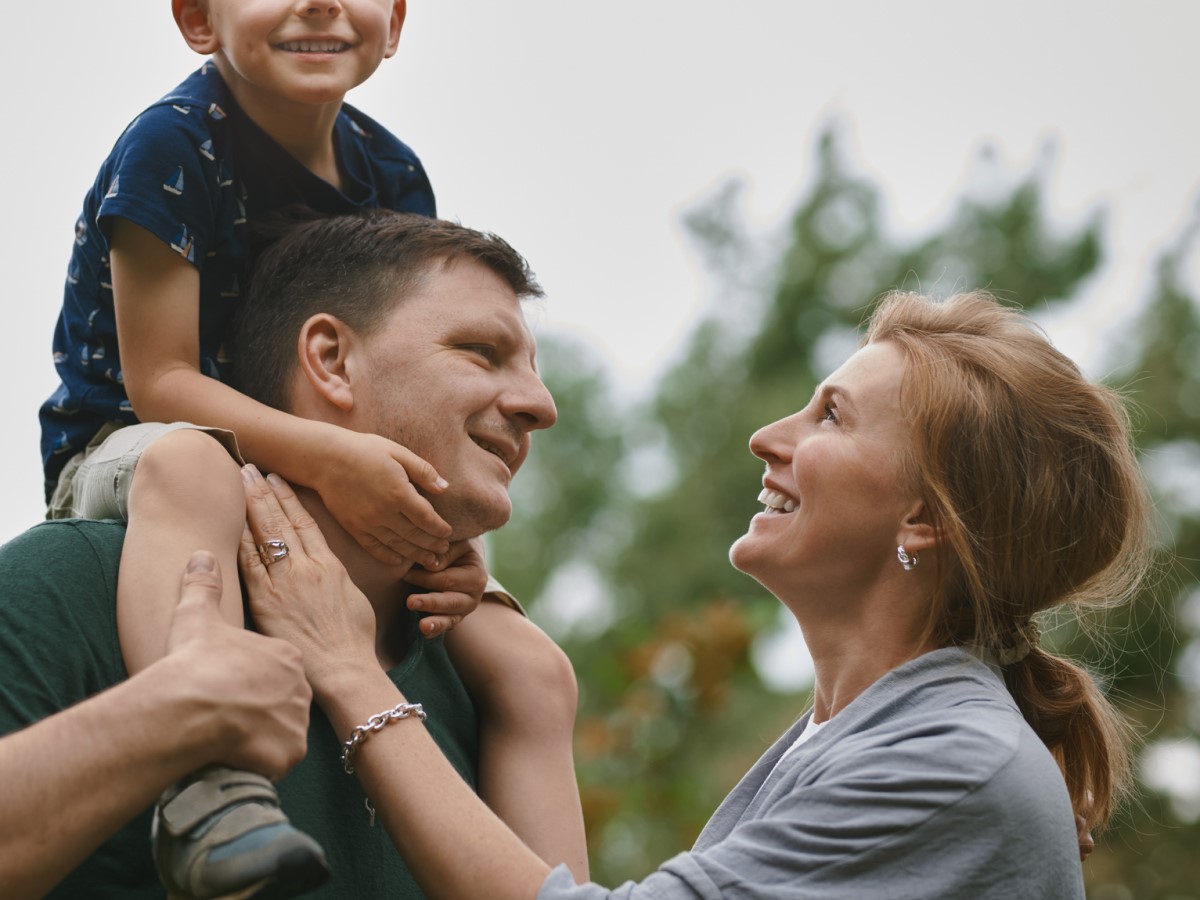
x=58, y=646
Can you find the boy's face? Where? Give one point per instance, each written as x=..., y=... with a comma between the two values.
x=304, y=52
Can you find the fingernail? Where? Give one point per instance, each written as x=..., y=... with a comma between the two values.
x=275, y=480
x=442, y=483
x=202, y=561
x=415, y=603
x=249, y=473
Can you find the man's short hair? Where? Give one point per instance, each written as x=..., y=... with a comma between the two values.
x=357, y=268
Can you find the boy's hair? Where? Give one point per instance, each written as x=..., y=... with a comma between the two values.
x=355, y=267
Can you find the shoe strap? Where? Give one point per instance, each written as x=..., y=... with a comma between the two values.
x=212, y=792
x=240, y=821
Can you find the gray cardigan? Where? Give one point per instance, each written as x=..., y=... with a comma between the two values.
x=929, y=784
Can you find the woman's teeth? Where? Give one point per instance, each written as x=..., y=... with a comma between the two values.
x=775, y=500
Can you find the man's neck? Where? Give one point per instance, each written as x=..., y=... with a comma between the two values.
x=383, y=585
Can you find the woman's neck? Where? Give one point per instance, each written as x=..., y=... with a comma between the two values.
x=854, y=644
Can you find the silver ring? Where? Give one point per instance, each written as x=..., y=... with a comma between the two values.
x=272, y=551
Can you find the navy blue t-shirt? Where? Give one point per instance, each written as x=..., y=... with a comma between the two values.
x=193, y=169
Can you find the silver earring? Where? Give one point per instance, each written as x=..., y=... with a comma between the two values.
x=908, y=561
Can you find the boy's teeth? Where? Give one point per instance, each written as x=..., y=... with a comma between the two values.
x=314, y=46
x=775, y=500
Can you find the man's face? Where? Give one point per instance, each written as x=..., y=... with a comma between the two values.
x=451, y=376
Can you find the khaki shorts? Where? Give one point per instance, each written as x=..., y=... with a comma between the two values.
x=95, y=482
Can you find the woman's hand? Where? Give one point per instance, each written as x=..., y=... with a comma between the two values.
x=304, y=597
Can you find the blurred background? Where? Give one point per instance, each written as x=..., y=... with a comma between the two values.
x=713, y=194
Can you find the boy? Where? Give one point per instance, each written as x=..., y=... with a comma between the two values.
x=162, y=254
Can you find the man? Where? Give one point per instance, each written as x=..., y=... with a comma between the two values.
x=406, y=327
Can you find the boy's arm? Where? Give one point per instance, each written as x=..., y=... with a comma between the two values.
x=363, y=478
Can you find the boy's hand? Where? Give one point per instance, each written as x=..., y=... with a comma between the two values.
x=371, y=490
x=455, y=590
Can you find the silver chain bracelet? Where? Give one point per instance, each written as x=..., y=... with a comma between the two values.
x=375, y=723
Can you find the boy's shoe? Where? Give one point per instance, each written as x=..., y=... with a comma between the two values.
x=220, y=834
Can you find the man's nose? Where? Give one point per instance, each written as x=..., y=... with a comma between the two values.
x=531, y=404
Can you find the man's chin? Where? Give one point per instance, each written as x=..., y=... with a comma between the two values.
x=471, y=517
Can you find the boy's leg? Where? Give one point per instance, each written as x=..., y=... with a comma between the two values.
x=186, y=495
x=219, y=832
x=525, y=690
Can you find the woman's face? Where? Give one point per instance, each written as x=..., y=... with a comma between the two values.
x=834, y=497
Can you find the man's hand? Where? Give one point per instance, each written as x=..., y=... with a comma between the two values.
x=250, y=688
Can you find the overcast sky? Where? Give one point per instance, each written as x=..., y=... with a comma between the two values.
x=581, y=131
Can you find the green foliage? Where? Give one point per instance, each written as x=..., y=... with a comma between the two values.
x=673, y=709
x=570, y=478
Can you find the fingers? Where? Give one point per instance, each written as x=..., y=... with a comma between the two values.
x=199, y=599
x=432, y=626
x=265, y=516
x=303, y=525
x=393, y=551
x=418, y=523
x=249, y=560
x=274, y=512
x=452, y=603
x=455, y=578
x=419, y=471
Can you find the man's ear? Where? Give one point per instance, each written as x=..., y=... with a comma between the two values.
x=917, y=532
x=191, y=16
x=395, y=26
x=324, y=349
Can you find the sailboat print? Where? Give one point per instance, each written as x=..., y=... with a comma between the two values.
x=183, y=244
x=175, y=185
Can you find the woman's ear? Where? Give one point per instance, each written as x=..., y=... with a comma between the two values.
x=323, y=350
x=191, y=16
x=917, y=533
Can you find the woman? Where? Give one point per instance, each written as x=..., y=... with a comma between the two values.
x=953, y=480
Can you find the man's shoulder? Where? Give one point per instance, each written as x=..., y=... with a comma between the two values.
x=58, y=633
x=70, y=554
x=103, y=536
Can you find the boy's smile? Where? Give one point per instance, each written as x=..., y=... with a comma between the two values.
x=314, y=46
